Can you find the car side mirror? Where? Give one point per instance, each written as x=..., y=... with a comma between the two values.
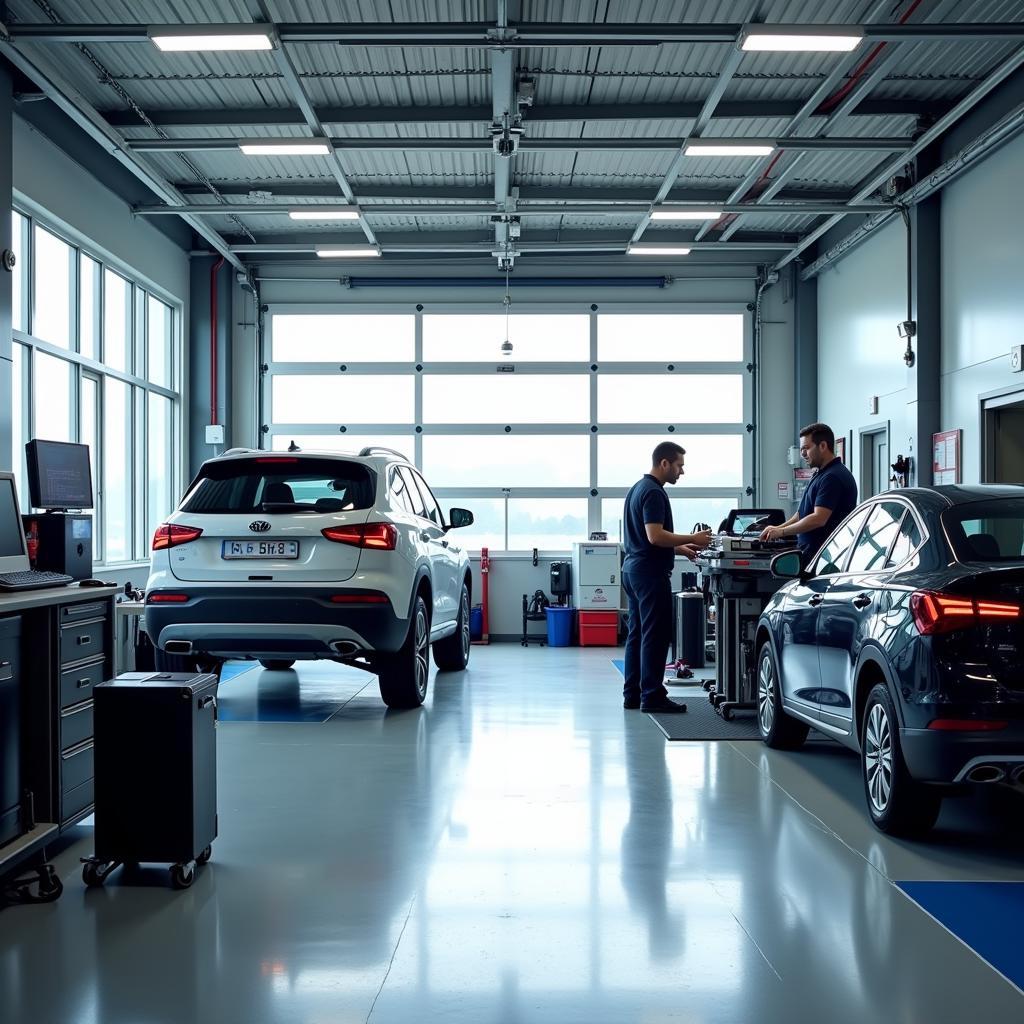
x=459, y=517
x=787, y=566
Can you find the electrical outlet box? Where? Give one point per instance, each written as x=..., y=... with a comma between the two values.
x=215, y=433
x=873, y=405
x=1017, y=358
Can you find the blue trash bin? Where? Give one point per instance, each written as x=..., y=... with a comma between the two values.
x=559, y=626
x=476, y=622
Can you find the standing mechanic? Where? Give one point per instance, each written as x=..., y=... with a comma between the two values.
x=830, y=496
x=651, y=547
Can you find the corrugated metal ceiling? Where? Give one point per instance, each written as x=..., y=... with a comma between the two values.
x=445, y=81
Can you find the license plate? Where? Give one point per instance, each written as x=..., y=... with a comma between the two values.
x=260, y=549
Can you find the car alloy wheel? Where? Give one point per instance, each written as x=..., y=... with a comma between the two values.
x=420, y=644
x=766, y=695
x=878, y=758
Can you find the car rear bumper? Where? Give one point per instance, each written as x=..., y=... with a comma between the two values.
x=235, y=622
x=937, y=756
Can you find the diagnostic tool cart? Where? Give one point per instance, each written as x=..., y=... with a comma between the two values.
x=735, y=573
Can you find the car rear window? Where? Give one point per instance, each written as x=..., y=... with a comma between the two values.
x=987, y=531
x=280, y=484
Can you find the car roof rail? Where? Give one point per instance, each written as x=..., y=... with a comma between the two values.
x=240, y=451
x=376, y=449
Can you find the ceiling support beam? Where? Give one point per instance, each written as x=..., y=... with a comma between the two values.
x=569, y=145
x=547, y=35
x=265, y=117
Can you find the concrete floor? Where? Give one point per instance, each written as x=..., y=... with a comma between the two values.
x=520, y=849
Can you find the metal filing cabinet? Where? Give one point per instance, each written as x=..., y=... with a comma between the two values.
x=10, y=721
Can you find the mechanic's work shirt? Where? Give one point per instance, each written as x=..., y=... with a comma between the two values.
x=832, y=487
x=646, y=502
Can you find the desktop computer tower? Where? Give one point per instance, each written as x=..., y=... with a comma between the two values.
x=64, y=542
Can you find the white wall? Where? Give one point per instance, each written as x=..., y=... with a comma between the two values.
x=983, y=291
x=860, y=300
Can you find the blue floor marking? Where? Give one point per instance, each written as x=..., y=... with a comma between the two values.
x=258, y=695
x=984, y=915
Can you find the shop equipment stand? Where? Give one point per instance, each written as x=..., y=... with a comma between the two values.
x=156, y=773
x=537, y=615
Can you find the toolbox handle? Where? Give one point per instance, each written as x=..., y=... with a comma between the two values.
x=84, y=681
x=83, y=640
x=206, y=701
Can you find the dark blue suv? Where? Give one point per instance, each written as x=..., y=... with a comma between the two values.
x=903, y=639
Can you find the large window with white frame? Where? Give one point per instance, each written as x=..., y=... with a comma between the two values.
x=97, y=360
x=541, y=444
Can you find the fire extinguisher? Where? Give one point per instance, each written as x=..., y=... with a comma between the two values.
x=485, y=570
x=32, y=540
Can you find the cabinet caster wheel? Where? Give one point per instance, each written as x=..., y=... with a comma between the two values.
x=204, y=856
x=94, y=873
x=183, y=875
x=50, y=886
x=727, y=714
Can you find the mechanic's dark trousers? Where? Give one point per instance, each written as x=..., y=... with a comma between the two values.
x=647, y=642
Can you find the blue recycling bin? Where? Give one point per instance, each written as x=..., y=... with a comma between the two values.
x=476, y=622
x=559, y=626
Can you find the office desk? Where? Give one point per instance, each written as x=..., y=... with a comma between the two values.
x=56, y=644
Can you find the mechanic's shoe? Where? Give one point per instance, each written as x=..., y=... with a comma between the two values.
x=664, y=707
x=632, y=705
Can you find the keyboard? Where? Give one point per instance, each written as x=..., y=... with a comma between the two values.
x=31, y=579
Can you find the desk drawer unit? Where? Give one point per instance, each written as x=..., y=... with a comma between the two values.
x=76, y=775
x=76, y=683
x=81, y=640
x=10, y=716
x=75, y=726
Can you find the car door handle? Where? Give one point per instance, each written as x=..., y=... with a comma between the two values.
x=817, y=599
x=861, y=601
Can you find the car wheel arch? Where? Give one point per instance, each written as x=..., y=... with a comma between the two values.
x=871, y=670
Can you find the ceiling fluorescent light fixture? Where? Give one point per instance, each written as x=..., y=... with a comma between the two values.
x=801, y=38
x=679, y=214
x=657, y=250
x=211, y=37
x=728, y=149
x=324, y=213
x=285, y=147
x=328, y=252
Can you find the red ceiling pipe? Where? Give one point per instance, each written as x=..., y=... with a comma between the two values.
x=213, y=338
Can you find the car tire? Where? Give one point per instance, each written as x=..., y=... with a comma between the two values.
x=402, y=676
x=276, y=664
x=452, y=653
x=898, y=805
x=778, y=730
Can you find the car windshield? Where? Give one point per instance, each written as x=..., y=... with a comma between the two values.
x=280, y=484
x=987, y=531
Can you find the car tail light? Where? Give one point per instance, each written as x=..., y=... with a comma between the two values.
x=168, y=535
x=167, y=598
x=942, y=613
x=966, y=725
x=381, y=536
x=367, y=597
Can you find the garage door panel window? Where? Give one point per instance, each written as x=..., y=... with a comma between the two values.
x=52, y=287
x=550, y=524
x=712, y=460
x=506, y=461
x=342, y=338
x=488, y=527
x=367, y=398
x=506, y=399
x=670, y=337
x=477, y=338
x=670, y=398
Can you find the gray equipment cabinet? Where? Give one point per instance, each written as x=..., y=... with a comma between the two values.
x=56, y=644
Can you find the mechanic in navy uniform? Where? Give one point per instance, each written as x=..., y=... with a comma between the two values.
x=830, y=496
x=651, y=547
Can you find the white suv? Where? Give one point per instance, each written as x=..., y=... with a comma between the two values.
x=306, y=555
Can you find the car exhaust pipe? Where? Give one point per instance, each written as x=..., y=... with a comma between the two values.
x=178, y=647
x=344, y=647
x=1018, y=774
x=986, y=773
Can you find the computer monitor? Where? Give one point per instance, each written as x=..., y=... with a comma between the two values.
x=13, y=550
x=745, y=520
x=59, y=474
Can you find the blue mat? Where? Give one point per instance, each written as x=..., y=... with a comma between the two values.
x=255, y=694
x=984, y=915
x=230, y=669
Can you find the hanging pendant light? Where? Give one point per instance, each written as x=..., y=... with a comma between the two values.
x=506, y=345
